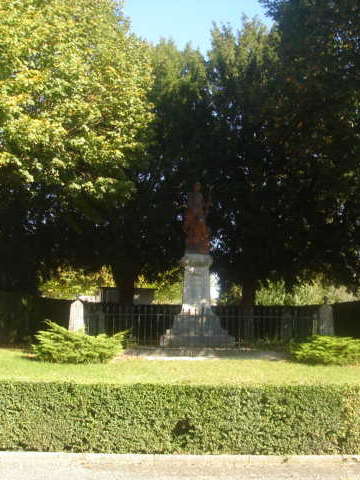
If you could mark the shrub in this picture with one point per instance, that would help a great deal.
(328, 350)
(168, 419)
(57, 344)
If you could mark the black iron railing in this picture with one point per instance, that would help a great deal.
(149, 323)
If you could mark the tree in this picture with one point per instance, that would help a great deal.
(74, 115)
(73, 96)
(245, 221)
(315, 128)
(287, 174)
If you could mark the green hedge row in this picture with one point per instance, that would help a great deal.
(180, 419)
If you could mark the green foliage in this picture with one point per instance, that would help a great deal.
(303, 293)
(169, 419)
(314, 126)
(73, 96)
(59, 345)
(241, 69)
(287, 178)
(68, 283)
(74, 121)
(168, 286)
(149, 238)
(328, 350)
(131, 237)
(270, 120)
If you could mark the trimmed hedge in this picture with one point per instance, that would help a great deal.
(268, 420)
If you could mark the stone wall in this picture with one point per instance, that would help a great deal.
(22, 316)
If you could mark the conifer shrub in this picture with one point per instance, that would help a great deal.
(59, 345)
(327, 350)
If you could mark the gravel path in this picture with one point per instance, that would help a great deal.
(201, 354)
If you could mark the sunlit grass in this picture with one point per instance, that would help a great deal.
(17, 366)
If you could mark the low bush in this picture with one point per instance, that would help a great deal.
(328, 350)
(57, 344)
(169, 419)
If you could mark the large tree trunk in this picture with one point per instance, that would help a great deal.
(249, 288)
(125, 276)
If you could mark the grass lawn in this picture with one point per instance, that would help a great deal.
(16, 366)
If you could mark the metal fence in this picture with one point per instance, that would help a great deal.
(146, 323)
(261, 322)
(149, 323)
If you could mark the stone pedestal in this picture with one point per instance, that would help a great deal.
(76, 320)
(196, 325)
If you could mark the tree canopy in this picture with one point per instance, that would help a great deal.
(241, 69)
(315, 128)
(74, 118)
(101, 135)
(73, 96)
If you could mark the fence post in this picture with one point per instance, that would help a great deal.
(76, 319)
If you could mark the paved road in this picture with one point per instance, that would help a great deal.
(60, 466)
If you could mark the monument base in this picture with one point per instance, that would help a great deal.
(197, 330)
(196, 325)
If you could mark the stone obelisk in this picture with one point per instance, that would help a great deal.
(197, 325)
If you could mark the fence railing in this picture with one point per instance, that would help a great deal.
(149, 323)
(146, 323)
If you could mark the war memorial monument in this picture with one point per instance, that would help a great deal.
(196, 325)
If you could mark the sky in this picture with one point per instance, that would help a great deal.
(187, 20)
